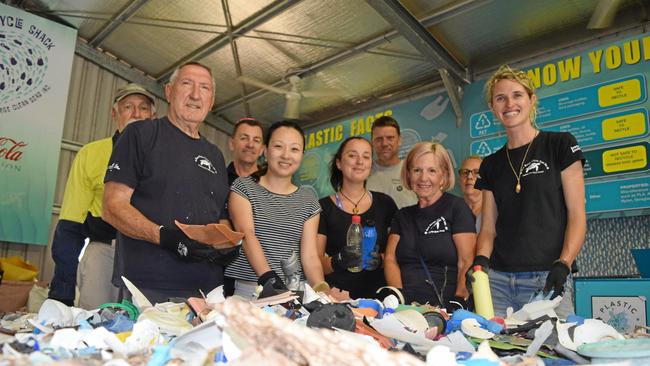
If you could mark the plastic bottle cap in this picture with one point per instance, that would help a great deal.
(477, 268)
(356, 219)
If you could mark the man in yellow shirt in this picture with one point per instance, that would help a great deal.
(80, 216)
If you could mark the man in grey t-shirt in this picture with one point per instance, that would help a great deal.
(386, 169)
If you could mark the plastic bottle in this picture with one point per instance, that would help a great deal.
(369, 244)
(482, 294)
(354, 240)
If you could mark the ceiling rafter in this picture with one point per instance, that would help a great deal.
(248, 24)
(123, 15)
(442, 14)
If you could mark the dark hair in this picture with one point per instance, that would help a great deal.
(385, 121)
(247, 121)
(274, 127)
(336, 175)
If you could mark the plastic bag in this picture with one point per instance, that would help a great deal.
(16, 269)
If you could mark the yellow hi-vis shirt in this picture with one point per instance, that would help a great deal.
(84, 190)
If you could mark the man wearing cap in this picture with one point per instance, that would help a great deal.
(163, 174)
(246, 143)
(80, 216)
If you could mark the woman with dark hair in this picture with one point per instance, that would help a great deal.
(277, 217)
(349, 169)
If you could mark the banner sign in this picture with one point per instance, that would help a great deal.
(35, 64)
(601, 97)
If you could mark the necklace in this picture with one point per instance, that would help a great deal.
(355, 209)
(521, 167)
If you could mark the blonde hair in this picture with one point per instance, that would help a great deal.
(440, 155)
(505, 72)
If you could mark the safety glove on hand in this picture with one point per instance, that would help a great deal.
(185, 248)
(479, 260)
(457, 303)
(557, 278)
(374, 262)
(271, 284)
(345, 258)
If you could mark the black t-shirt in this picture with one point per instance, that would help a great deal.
(530, 224)
(428, 233)
(232, 173)
(334, 224)
(174, 177)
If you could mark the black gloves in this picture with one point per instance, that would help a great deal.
(457, 303)
(272, 279)
(271, 284)
(187, 249)
(479, 260)
(556, 278)
(345, 258)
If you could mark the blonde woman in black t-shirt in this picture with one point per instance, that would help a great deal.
(533, 216)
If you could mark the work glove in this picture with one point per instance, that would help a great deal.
(557, 278)
(271, 284)
(479, 260)
(457, 303)
(345, 258)
(374, 262)
(271, 278)
(185, 248)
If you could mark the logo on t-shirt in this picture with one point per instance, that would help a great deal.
(206, 164)
(575, 148)
(438, 225)
(114, 166)
(535, 166)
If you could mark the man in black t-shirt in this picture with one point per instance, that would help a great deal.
(164, 171)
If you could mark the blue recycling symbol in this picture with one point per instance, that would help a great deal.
(483, 122)
(483, 149)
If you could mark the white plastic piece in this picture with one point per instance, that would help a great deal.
(472, 328)
(144, 333)
(441, 356)
(215, 296)
(96, 337)
(484, 352)
(67, 338)
(55, 313)
(137, 297)
(594, 330)
(391, 302)
(537, 309)
(541, 334)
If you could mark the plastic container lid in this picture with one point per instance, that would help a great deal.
(477, 268)
(356, 219)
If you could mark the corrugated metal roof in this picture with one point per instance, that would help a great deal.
(344, 44)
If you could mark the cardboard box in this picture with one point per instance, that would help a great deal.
(620, 302)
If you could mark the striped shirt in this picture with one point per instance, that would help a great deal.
(278, 221)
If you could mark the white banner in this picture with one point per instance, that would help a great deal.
(35, 64)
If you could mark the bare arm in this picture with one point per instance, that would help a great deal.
(489, 214)
(465, 245)
(573, 185)
(326, 261)
(309, 253)
(118, 211)
(241, 214)
(391, 268)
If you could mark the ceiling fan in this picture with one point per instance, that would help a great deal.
(604, 13)
(293, 95)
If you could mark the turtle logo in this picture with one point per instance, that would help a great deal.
(23, 66)
(182, 249)
(204, 163)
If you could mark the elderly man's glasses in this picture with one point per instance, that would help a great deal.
(465, 172)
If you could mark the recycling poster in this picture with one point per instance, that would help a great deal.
(599, 95)
(35, 64)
